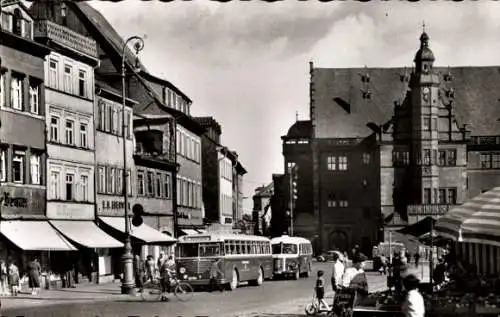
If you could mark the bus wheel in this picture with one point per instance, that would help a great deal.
(234, 281)
(309, 271)
(260, 278)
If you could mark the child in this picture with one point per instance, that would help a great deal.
(320, 289)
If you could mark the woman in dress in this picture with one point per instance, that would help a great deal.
(34, 276)
(13, 272)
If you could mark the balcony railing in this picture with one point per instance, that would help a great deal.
(428, 209)
(66, 37)
(485, 140)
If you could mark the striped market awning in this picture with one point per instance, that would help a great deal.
(476, 221)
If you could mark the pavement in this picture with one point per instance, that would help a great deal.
(272, 299)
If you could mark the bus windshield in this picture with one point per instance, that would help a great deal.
(284, 248)
(194, 250)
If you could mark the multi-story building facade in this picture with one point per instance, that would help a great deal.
(109, 164)
(155, 97)
(222, 178)
(210, 147)
(238, 197)
(412, 142)
(155, 167)
(261, 214)
(22, 136)
(226, 188)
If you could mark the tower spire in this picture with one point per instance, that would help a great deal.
(296, 116)
(423, 26)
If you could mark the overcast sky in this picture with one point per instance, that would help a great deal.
(246, 63)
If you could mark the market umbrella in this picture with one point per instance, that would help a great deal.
(476, 221)
(419, 228)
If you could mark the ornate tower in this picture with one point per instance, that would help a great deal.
(424, 86)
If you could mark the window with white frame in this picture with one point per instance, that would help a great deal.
(82, 83)
(331, 163)
(158, 185)
(128, 123)
(70, 186)
(35, 168)
(54, 128)
(2, 89)
(166, 185)
(84, 185)
(119, 181)
(34, 98)
(178, 141)
(342, 163)
(16, 92)
(53, 72)
(18, 166)
(83, 135)
(101, 174)
(68, 78)
(150, 183)
(140, 183)
(112, 180)
(129, 183)
(3, 165)
(55, 188)
(70, 128)
(114, 120)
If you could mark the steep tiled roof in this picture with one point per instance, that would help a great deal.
(208, 122)
(300, 129)
(266, 190)
(342, 112)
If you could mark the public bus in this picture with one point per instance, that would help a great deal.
(292, 256)
(243, 258)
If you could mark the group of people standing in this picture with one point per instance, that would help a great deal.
(10, 278)
(163, 270)
(354, 279)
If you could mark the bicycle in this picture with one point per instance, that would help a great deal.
(151, 291)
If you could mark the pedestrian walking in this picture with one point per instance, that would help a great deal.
(338, 272)
(383, 265)
(4, 283)
(167, 272)
(215, 274)
(160, 261)
(150, 268)
(417, 259)
(34, 271)
(13, 278)
(138, 271)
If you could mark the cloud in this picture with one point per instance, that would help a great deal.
(246, 63)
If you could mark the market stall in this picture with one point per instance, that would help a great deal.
(472, 286)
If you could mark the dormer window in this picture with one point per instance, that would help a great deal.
(17, 22)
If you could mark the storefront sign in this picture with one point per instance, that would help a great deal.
(113, 204)
(70, 211)
(18, 201)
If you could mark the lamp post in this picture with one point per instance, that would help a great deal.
(128, 283)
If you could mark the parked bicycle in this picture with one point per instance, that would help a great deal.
(151, 290)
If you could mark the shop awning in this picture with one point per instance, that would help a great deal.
(86, 233)
(189, 231)
(144, 232)
(419, 228)
(35, 236)
(476, 221)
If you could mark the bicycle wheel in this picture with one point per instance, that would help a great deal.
(150, 293)
(183, 292)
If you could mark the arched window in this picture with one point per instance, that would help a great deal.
(17, 22)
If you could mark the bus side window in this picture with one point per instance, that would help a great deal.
(300, 249)
(238, 247)
(252, 247)
(261, 247)
(247, 247)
